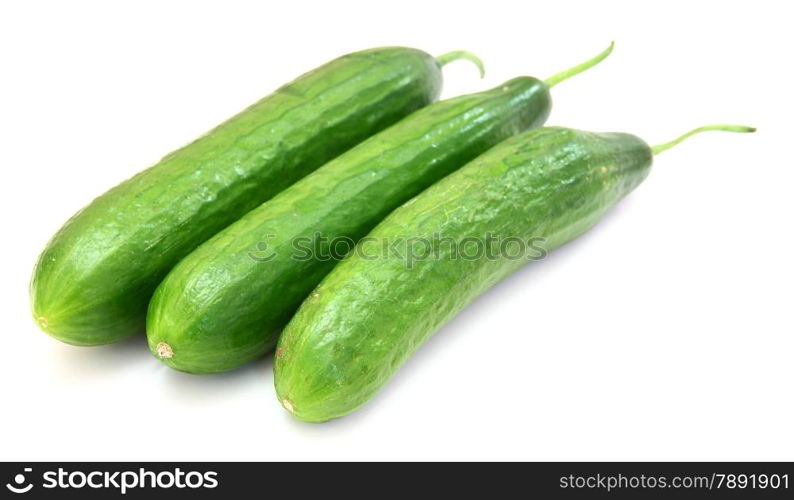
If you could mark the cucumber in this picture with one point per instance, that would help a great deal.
(224, 304)
(543, 188)
(93, 281)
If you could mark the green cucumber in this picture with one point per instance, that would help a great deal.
(225, 303)
(93, 281)
(536, 191)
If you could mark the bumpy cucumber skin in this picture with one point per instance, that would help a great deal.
(220, 307)
(94, 279)
(369, 315)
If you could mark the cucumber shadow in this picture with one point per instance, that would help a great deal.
(254, 378)
(410, 373)
(131, 355)
(83, 363)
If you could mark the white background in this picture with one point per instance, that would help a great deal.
(663, 334)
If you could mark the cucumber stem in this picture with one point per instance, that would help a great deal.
(716, 127)
(456, 55)
(564, 75)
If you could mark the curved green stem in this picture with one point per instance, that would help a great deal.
(564, 75)
(455, 55)
(716, 127)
